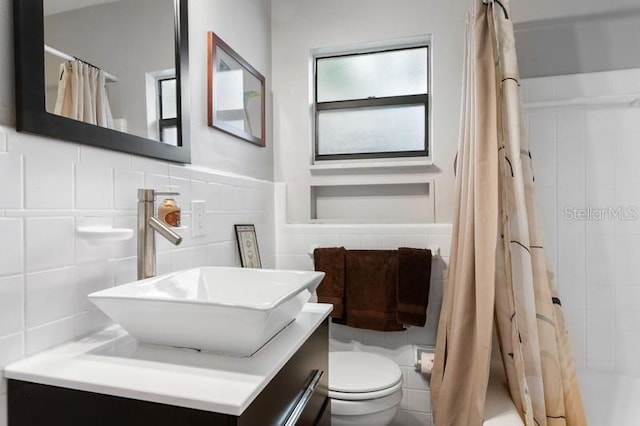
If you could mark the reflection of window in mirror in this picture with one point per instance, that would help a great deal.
(168, 122)
(162, 114)
(238, 96)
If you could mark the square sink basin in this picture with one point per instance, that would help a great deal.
(230, 311)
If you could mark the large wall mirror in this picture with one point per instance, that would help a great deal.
(108, 73)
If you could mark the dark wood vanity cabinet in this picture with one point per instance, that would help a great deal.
(32, 404)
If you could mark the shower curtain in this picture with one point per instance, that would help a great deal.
(82, 94)
(499, 276)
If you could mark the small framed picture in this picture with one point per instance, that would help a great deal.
(248, 246)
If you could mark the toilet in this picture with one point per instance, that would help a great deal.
(365, 389)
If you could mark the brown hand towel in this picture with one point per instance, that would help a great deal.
(370, 293)
(331, 261)
(414, 273)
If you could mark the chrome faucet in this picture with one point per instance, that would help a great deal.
(147, 224)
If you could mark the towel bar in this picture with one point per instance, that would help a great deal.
(435, 251)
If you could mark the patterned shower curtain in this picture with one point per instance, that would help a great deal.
(499, 277)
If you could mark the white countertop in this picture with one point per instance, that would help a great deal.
(111, 362)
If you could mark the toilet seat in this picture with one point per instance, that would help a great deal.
(341, 407)
(361, 396)
(358, 376)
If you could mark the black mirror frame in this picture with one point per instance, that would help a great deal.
(32, 117)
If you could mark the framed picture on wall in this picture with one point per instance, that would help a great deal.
(248, 246)
(236, 93)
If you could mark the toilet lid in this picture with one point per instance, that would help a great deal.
(360, 372)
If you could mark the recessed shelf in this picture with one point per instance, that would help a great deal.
(387, 199)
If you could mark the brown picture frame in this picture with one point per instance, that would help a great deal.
(248, 246)
(235, 93)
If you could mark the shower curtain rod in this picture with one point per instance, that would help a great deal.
(65, 56)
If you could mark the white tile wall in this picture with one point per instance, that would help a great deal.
(48, 181)
(49, 188)
(50, 295)
(99, 157)
(123, 180)
(293, 246)
(90, 277)
(11, 304)
(589, 156)
(11, 349)
(94, 186)
(49, 335)
(11, 171)
(49, 243)
(11, 252)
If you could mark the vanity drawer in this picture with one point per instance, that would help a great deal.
(278, 400)
(32, 404)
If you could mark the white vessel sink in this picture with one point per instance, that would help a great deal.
(232, 311)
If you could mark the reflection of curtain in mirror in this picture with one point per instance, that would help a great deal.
(82, 94)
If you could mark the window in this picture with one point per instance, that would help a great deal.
(168, 113)
(372, 105)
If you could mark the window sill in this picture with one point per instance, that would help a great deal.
(376, 166)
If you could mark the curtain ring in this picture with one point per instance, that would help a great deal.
(504, 9)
